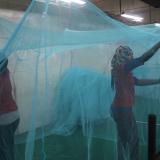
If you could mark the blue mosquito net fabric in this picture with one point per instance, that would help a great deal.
(6, 29)
(60, 57)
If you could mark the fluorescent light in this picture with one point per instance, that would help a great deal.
(74, 1)
(67, 1)
(132, 17)
(157, 24)
(79, 2)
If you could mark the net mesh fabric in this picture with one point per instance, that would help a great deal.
(60, 56)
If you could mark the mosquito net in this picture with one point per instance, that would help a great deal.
(60, 58)
(6, 29)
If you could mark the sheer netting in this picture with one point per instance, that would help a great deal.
(6, 29)
(60, 58)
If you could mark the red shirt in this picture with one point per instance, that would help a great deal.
(124, 86)
(7, 104)
(125, 82)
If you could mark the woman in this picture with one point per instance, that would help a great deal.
(121, 109)
(9, 117)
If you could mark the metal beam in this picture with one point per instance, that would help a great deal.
(154, 3)
(14, 5)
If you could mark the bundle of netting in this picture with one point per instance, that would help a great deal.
(68, 61)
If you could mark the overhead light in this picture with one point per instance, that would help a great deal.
(74, 1)
(157, 24)
(67, 1)
(132, 17)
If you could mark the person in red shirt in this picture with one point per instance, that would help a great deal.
(9, 117)
(124, 82)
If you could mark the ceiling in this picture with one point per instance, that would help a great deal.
(144, 8)
(154, 3)
(14, 4)
(22, 4)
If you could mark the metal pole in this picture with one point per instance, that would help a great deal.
(150, 14)
(120, 6)
(151, 137)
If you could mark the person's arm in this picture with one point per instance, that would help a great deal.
(134, 63)
(148, 54)
(146, 82)
(13, 86)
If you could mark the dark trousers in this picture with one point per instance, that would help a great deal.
(7, 140)
(127, 133)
